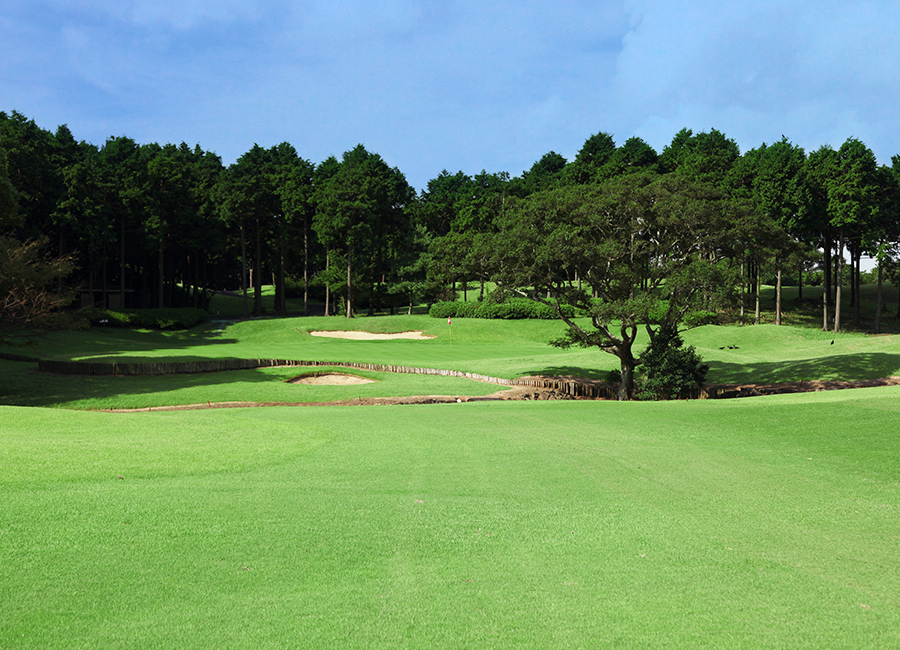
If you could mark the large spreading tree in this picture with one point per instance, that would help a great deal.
(640, 250)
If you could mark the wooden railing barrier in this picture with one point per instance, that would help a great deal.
(566, 386)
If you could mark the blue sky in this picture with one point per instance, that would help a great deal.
(455, 84)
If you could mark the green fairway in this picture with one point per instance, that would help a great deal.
(260, 385)
(768, 353)
(765, 522)
(761, 353)
(752, 523)
(471, 343)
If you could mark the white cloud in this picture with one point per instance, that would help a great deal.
(458, 84)
(818, 72)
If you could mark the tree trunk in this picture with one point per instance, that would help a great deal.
(198, 281)
(800, 283)
(327, 288)
(778, 295)
(282, 294)
(838, 279)
(349, 281)
(245, 311)
(826, 282)
(879, 298)
(204, 276)
(743, 291)
(758, 287)
(627, 362)
(187, 281)
(857, 286)
(305, 269)
(121, 263)
(373, 293)
(145, 282)
(103, 284)
(59, 280)
(626, 385)
(257, 277)
(93, 302)
(162, 279)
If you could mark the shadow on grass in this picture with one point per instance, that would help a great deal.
(118, 342)
(571, 371)
(874, 365)
(22, 384)
(846, 367)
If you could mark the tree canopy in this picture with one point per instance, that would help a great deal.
(149, 225)
(360, 211)
(640, 250)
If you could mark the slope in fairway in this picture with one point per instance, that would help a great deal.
(756, 354)
(753, 523)
(496, 348)
(263, 385)
(769, 353)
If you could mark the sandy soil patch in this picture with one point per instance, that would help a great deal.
(370, 336)
(330, 379)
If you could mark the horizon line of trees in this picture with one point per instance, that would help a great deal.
(149, 225)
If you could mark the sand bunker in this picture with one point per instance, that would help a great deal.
(330, 379)
(370, 336)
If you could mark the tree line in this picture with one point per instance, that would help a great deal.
(135, 225)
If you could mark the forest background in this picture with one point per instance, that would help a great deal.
(130, 225)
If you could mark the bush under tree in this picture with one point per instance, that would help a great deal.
(669, 368)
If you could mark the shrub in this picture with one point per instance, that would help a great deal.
(443, 309)
(293, 287)
(613, 377)
(468, 310)
(509, 309)
(669, 368)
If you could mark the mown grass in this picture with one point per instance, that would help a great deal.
(752, 353)
(769, 353)
(769, 522)
(260, 385)
(500, 348)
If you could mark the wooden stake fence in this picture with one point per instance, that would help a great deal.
(568, 387)
(583, 389)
